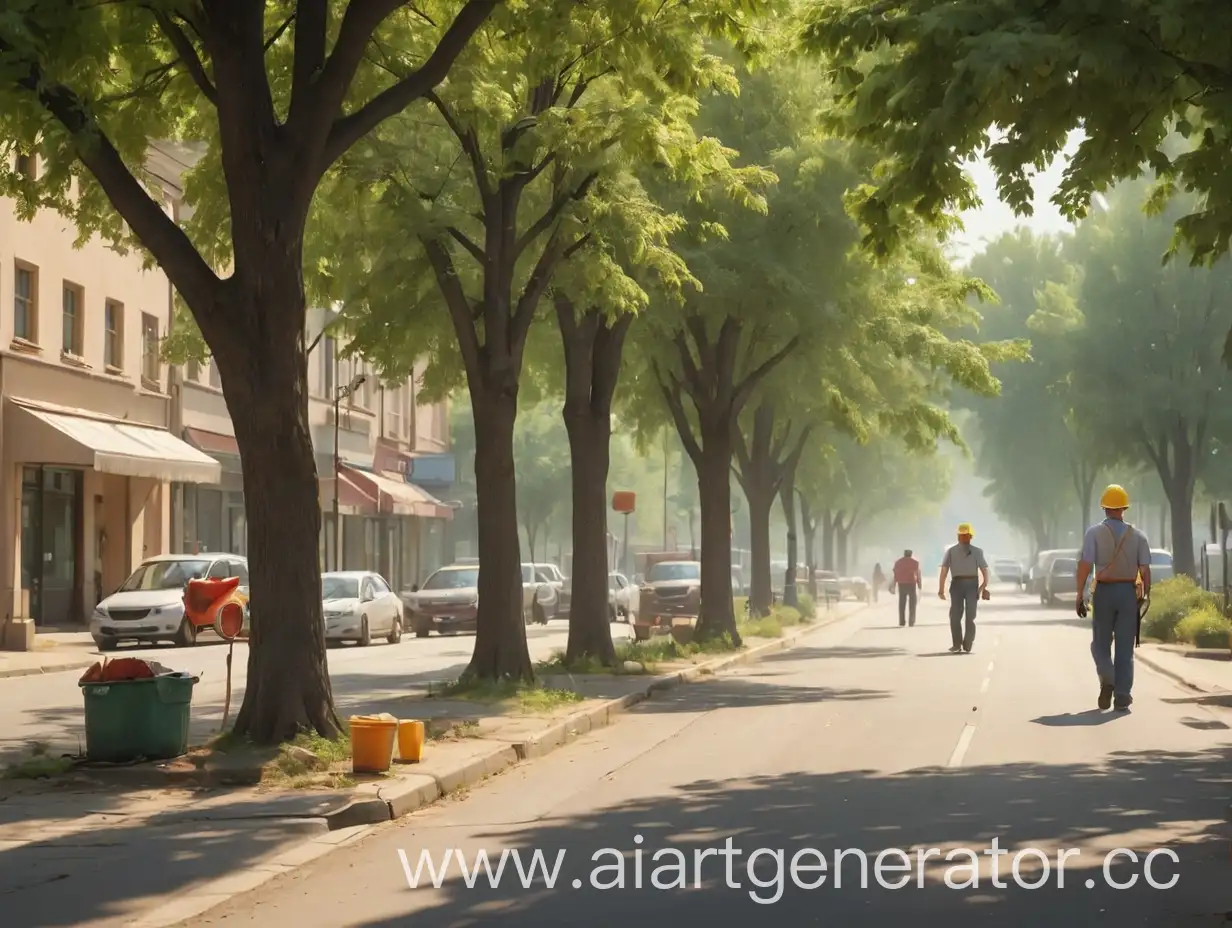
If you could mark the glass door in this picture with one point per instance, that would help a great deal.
(31, 544)
(58, 597)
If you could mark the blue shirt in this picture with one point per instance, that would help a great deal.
(1142, 556)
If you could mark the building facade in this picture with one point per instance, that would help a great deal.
(87, 455)
(393, 458)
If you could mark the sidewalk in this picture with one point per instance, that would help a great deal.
(54, 652)
(1205, 669)
(176, 840)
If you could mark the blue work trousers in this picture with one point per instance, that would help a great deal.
(1115, 619)
(964, 597)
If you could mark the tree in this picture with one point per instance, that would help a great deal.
(1150, 385)
(91, 85)
(497, 198)
(924, 80)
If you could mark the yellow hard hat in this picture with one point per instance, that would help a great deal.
(966, 529)
(1114, 497)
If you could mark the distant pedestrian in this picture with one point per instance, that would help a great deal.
(1120, 555)
(963, 560)
(878, 580)
(908, 581)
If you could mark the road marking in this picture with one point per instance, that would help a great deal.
(984, 685)
(960, 750)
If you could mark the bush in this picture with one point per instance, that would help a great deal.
(1171, 602)
(808, 608)
(1205, 628)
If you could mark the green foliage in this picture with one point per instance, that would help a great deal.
(1205, 628)
(1171, 601)
(925, 81)
(541, 456)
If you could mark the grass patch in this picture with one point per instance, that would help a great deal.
(40, 765)
(531, 698)
(291, 769)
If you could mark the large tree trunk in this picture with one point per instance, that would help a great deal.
(809, 524)
(761, 582)
(827, 539)
(840, 548)
(593, 351)
(288, 689)
(1179, 481)
(500, 637)
(787, 496)
(718, 615)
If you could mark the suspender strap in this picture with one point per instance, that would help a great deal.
(1099, 577)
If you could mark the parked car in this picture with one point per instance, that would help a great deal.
(448, 601)
(672, 590)
(540, 594)
(1161, 564)
(829, 587)
(1038, 576)
(1008, 570)
(358, 606)
(554, 577)
(856, 587)
(1062, 580)
(621, 597)
(148, 607)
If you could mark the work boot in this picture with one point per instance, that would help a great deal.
(1105, 695)
(956, 649)
(967, 648)
(1122, 703)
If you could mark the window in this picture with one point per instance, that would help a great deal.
(379, 586)
(365, 389)
(150, 362)
(25, 303)
(113, 335)
(192, 370)
(327, 365)
(24, 164)
(220, 570)
(393, 412)
(241, 571)
(73, 300)
(215, 377)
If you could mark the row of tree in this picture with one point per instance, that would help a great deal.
(641, 185)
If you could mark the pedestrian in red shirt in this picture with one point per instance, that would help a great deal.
(908, 581)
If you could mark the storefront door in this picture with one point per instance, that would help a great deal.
(51, 544)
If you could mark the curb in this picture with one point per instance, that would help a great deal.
(40, 670)
(1170, 674)
(358, 818)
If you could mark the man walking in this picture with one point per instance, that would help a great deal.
(1119, 555)
(907, 578)
(963, 560)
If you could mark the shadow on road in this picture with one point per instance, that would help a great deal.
(811, 654)
(1079, 719)
(1095, 807)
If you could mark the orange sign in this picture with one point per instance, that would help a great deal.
(623, 501)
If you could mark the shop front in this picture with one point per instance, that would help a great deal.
(213, 518)
(94, 501)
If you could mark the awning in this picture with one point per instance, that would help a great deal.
(353, 499)
(212, 442)
(397, 496)
(47, 434)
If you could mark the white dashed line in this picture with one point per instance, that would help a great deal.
(990, 666)
(960, 750)
(984, 685)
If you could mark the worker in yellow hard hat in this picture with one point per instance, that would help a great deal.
(1120, 556)
(964, 560)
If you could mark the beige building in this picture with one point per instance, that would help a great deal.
(87, 453)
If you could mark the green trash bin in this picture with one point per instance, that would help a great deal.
(131, 720)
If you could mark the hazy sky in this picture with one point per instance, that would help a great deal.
(995, 218)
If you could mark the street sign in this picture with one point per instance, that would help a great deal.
(624, 501)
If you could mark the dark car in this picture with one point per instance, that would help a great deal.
(1062, 580)
(448, 601)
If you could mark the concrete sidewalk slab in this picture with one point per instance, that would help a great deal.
(1208, 670)
(53, 653)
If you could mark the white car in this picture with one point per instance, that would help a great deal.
(359, 605)
(149, 605)
(621, 597)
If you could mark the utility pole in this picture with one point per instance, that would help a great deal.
(340, 392)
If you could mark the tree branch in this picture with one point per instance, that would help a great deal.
(745, 389)
(462, 239)
(553, 211)
(351, 128)
(188, 55)
(468, 140)
(692, 374)
(181, 262)
(311, 23)
(676, 407)
(455, 299)
(536, 285)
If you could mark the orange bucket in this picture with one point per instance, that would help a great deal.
(372, 743)
(410, 741)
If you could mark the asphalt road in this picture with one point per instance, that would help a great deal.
(48, 708)
(868, 737)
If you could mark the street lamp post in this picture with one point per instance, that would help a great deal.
(339, 394)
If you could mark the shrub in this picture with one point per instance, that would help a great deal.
(1205, 628)
(1171, 601)
(808, 608)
